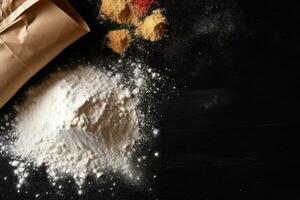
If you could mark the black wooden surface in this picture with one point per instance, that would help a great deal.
(229, 133)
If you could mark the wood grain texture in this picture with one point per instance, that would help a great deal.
(231, 132)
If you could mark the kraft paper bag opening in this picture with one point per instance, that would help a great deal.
(32, 33)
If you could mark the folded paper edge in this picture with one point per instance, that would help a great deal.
(16, 13)
(27, 4)
(10, 19)
(69, 10)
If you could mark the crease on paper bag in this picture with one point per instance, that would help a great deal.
(32, 33)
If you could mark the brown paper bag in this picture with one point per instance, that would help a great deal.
(32, 33)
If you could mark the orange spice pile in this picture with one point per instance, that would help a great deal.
(119, 40)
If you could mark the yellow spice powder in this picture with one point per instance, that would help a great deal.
(118, 11)
(119, 40)
(153, 26)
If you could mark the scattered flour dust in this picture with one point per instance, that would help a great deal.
(78, 122)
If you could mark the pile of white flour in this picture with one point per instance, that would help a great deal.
(79, 122)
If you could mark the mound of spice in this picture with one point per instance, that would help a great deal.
(118, 11)
(153, 27)
(119, 40)
(132, 12)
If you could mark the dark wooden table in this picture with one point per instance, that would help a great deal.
(229, 132)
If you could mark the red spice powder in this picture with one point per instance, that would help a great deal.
(143, 6)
